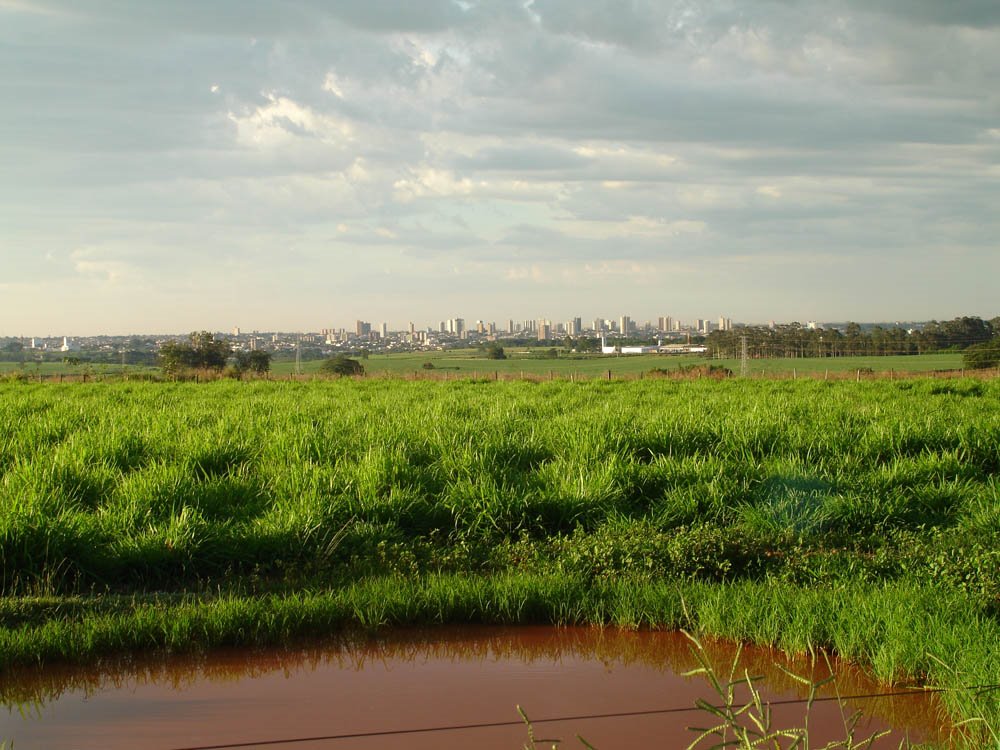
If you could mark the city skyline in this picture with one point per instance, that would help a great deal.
(460, 327)
(174, 167)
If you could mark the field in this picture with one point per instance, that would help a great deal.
(532, 362)
(858, 517)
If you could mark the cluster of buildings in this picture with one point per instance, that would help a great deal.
(460, 332)
(621, 335)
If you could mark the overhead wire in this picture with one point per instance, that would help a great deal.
(554, 719)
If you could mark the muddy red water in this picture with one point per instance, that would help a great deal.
(428, 679)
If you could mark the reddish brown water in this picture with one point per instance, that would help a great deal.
(419, 679)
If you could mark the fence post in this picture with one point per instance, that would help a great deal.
(609, 374)
(859, 376)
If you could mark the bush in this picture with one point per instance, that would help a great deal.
(982, 356)
(495, 351)
(341, 365)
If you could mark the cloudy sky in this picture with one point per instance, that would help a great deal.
(297, 165)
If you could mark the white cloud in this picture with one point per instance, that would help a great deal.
(282, 121)
(88, 262)
(332, 84)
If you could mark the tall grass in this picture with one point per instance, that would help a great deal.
(801, 513)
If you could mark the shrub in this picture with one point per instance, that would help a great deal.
(341, 365)
(982, 356)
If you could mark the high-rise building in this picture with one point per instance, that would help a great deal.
(362, 328)
(573, 327)
(725, 324)
(544, 329)
(666, 323)
(385, 330)
(413, 328)
(510, 326)
(458, 327)
(624, 325)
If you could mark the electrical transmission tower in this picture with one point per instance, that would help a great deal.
(744, 360)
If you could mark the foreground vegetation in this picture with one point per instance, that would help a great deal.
(860, 517)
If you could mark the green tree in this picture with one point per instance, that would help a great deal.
(203, 350)
(982, 356)
(209, 352)
(494, 351)
(257, 362)
(175, 356)
(341, 365)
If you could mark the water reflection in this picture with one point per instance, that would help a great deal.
(591, 669)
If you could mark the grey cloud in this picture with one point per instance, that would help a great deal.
(841, 129)
(976, 13)
(522, 159)
(262, 17)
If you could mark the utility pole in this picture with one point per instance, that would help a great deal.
(743, 356)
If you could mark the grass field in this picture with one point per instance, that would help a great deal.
(860, 517)
(532, 363)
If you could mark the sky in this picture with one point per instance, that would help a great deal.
(298, 165)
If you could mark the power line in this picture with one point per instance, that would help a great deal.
(550, 720)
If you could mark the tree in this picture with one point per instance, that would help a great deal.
(257, 362)
(982, 356)
(495, 351)
(341, 365)
(209, 352)
(203, 350)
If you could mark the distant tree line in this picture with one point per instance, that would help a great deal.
(796, 340)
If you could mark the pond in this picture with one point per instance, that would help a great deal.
(374, 691)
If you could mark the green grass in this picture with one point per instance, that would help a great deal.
(860, 517)
(50, 370)
(530, 362)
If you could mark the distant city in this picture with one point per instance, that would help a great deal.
(608, 335)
